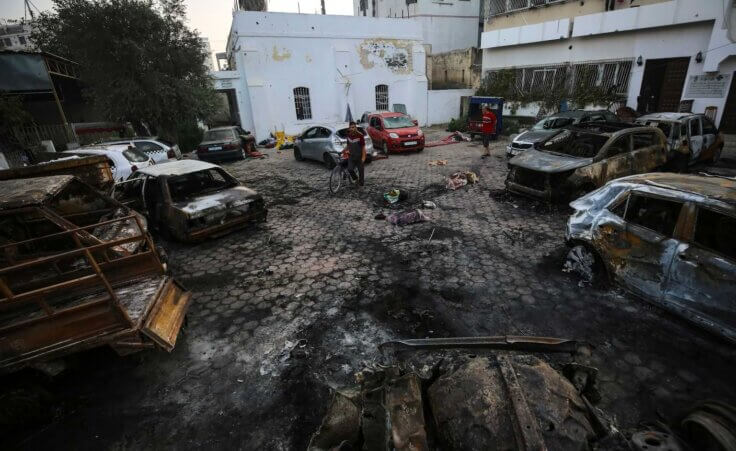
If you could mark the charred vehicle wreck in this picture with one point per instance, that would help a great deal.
(191, 200)
(78, 270)
(579, 159)
(667, 238)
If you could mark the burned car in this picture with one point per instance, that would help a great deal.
(668, 238)
(79, 270)
(692, 134)
(577, 160)
(190, 200)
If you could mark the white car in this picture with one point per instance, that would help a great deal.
(124, 160)
(158, 149)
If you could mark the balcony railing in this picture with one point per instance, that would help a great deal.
(492, 8)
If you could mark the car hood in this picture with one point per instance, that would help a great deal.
(404, 131)
(535, 136)
(547, 162)
(237, 196)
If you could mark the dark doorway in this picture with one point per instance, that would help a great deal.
(227, 112)
(661, 87)
(728, 120)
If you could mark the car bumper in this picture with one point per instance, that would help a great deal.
(228, 226)
(512, 151)
(220, 155)
(517, 188)
(401, 147)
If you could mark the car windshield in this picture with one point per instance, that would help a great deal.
(186, 186)
(398, 122)
(134, 155)
(219, 135)
(551, 123)
(666, 127)
(575, 144)
(343, 133)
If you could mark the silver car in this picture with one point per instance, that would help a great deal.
(158, 149)
(325, 143)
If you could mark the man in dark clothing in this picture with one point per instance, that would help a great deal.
(356, 148)
(489, 128)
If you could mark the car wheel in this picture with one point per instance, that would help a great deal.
(420, 149)
(384, 148)
(298, 154)
(585, 263)
(242, 154)
(329, 161)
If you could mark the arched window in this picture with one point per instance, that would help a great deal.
(302, 103)
(382, 97)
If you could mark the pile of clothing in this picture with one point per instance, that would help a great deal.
(407, 217)
(460, 179)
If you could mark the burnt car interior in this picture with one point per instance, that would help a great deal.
(183, 187)
(575, 143)
(714, 231)
(653, 213)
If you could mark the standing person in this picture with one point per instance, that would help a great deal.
(356, 147)
(489, 128)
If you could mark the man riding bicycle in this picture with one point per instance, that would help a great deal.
(355, 153)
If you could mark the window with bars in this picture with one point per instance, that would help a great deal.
(302, 103)
(382, 97)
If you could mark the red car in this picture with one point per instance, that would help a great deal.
(394, 132)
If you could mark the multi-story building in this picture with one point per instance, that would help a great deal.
(658, 55)
(447, 25)
(15, 36)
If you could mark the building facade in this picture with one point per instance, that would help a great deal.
(458, 69)
(16, 36)
(447, 25)
(290, 71)
(658, 55)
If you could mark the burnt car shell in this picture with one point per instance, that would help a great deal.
(689, 266)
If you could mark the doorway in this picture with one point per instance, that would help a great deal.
(728, 120)
(661, 86)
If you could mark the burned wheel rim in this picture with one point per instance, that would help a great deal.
(335, 179)
(581, 261)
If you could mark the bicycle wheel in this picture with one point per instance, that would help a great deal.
(336, 177)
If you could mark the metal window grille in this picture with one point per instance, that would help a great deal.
(382, 97)
(302, 103)
(492, 8)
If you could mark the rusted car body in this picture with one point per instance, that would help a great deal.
(78, 270)
(191, 200)
(577, 160)
(691, 134)
(668, 238)
(93, 170)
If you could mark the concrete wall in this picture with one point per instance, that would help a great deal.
(444, 105)
(456, 69)
(680, 28)
(339, 59)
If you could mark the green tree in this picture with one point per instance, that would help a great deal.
(139, 62)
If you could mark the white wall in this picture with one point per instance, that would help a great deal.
(340, 59)
(443, 105)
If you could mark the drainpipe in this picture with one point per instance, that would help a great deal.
(323, 8)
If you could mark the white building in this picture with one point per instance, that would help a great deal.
(655, 55)
(290, 71)
(446, 25)
(16, 36)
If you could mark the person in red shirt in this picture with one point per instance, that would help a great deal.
(489, 128)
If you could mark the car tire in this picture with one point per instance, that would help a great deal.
(583, 261)
(242, 155)
(384, 148)
(298, 154)
(329, 161)
(420, 149)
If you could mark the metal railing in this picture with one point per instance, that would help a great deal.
(491, 8)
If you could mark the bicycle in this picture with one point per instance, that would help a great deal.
(340, 176)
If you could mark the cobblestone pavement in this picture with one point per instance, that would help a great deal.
(286, 310)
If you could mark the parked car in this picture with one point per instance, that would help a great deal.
(668, 238)
(576, 160)
(158, 149)
(124, 159)
(689, 133)
(550, 124)
(395, 132)
(225, 143)
(191, 200)
(326, 142)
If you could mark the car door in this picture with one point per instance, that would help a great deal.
(373, 132)
(639, 244)
(702, 277)
(648, 151)
(710, 134)
(322, 142)
(307, 141)
(695, 133)
(617, 160)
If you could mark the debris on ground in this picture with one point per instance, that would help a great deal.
(460, 179)
(380, 216)
(453, 138)
(407, 217)
(287, 145)
(437, 163)
(429, 204)
(395, 195)
(580, 261)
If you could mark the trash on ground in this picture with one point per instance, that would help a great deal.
(460, 179)
(429, 204)
(407, 217)
(438, 163)
(453, 138)
(380, 216)
(395, 195)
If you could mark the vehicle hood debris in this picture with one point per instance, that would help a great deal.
(222, 200)
(548, 162)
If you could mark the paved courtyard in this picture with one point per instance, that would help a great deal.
(286, 310)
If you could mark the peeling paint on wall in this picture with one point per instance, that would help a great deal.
(392, 53)
(283, 56)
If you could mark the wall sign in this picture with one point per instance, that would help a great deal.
(707, 86)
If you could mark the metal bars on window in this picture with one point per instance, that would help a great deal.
(382, 97)
(492, 8)
(302, 103)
